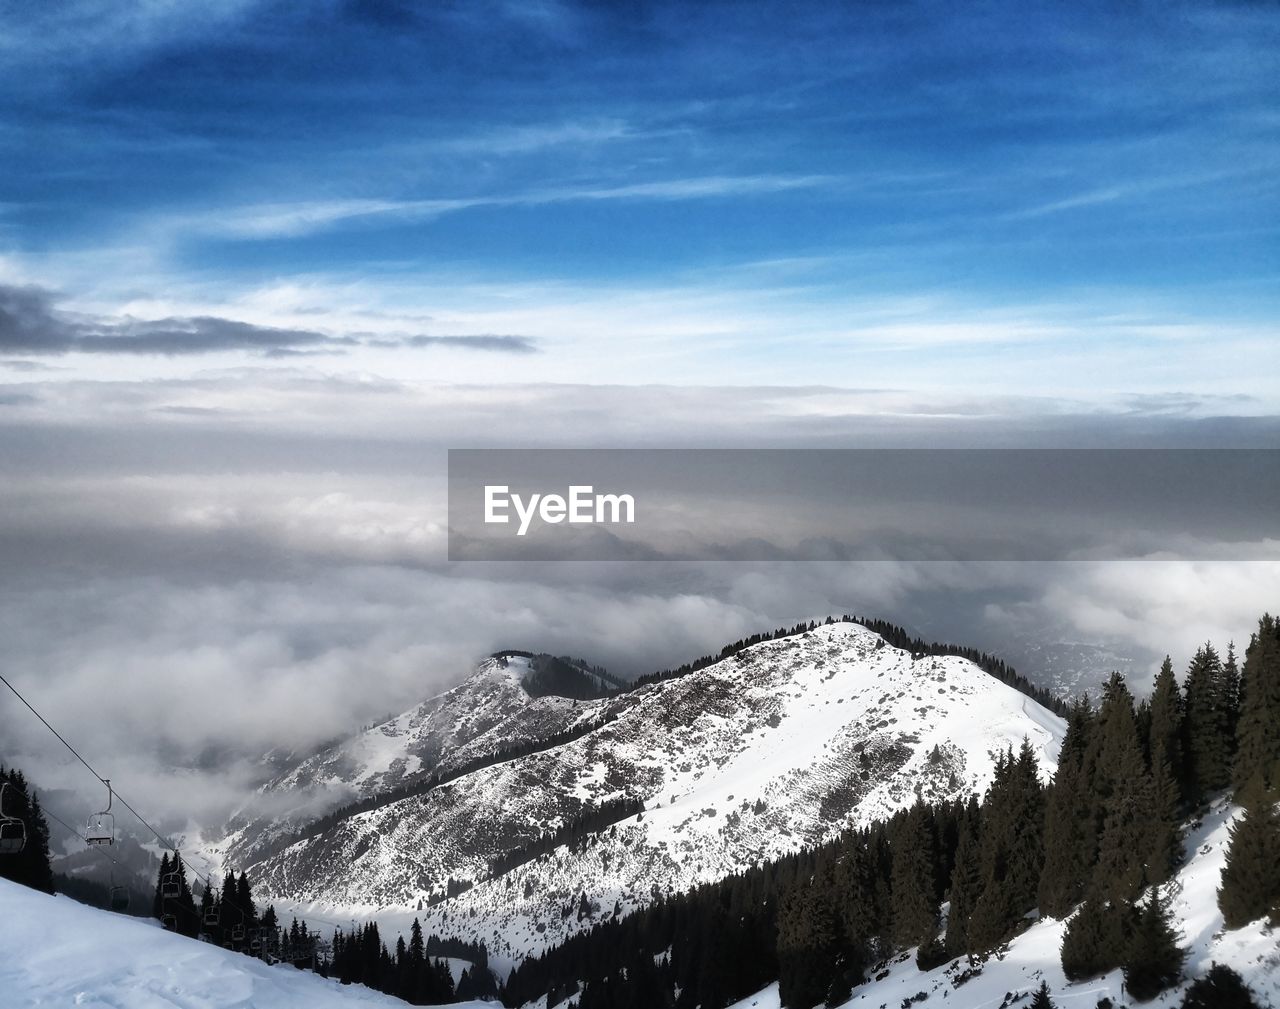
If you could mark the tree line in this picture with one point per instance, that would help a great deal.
(31, 865)
(896, 636)
(590, 821)
(422, 786)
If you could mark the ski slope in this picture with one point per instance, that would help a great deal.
(1253, 951)
(56, 953)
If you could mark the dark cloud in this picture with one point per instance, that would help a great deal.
(31, 323)
(28, 366)
(507, 344)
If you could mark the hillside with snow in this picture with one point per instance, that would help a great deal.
(491, 710)
(782, 745)
(58, 953)
(1012, 974)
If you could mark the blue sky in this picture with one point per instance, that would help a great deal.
(1055, 198)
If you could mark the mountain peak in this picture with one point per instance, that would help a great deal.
(782, 743)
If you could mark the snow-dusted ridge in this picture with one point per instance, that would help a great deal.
(489, 711)
(781, 745)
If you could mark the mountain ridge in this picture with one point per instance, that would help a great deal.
(772, 718)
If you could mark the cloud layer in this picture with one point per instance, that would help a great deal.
(30, 323)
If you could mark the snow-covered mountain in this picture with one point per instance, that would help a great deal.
(1012, 975)
(503, 704)
(61, 953)
(781, 745)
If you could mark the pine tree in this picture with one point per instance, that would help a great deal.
(915, 908)
(1012, 849)
(966, 879)
(1251, 878)
(858, 910)
(808, 946)
(1125, 846)
(1257, 765)
(1208, 746)
(1220, 988)
(206, 909)
(183, 908)
(32, 865)
(1166, 722)
(1153, 959)
(244, 902)
(1070, 829)
(1042, 999)
(1231, 695)
(1130, 814)
(1095, 939)
(159, 902)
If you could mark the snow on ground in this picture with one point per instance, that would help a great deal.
(56, 953)
(1254, 951)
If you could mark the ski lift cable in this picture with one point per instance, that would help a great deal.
(124, 802)
(76, 753)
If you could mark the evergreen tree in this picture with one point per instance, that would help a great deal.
(1070, 827)
(244, 902)
(1165, 734)
(31, 866)
(1127, 802)
(1012, 849)
(159, 902)
(1220, 988)
(1257, 765)
(229, 915)
(206, 909)
(915, 907)
(1208, 747)
(1153, 959)
(858, 910)
(183, 907)
(1251, 878)
(808, 946)
(1095, 939)
(966, 880)
(1231, 695)
(1124, 848)
(1166, 766)
(1042, 999)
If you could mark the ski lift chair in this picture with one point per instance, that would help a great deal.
(211, 918)
(170, 922)
(237, 932)
(170, 888)
(101, 827)
(13, 830)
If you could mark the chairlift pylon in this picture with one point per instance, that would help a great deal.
(101, 827)
(13, 829)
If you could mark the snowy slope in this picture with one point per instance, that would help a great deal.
(489, 710)
(1253, 951)
(783, 745)
(56, 953)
